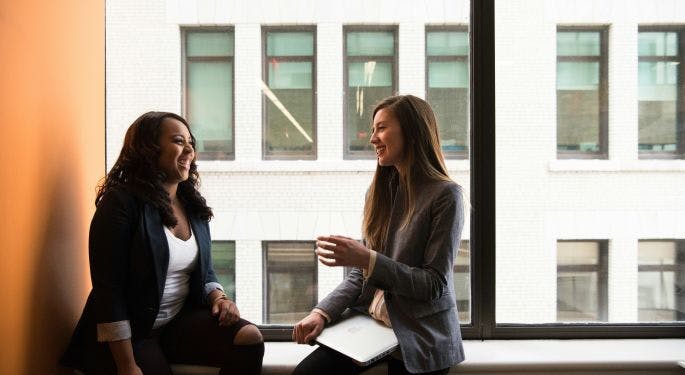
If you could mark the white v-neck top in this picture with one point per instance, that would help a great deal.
(182, 262)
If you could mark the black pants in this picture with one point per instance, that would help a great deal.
(330, 362)
(193, 337)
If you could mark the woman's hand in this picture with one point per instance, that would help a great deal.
(308, 329)
(226, 311)
(342, 251)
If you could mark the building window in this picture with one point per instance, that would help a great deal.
(581, 93)
(370, 75)
(447, 86)
(462, 282)
(208, 90)
(660, 94)
(582, 281)
(289, 93)
(661, 281)
(223, 258)
(290, 281)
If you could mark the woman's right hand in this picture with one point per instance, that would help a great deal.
(309, 328)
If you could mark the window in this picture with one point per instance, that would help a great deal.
(291, 281)
(660, 93)
(223, 258)
(581, 93)
(661, 281)
(581, 281)
(208, 91)
(289, 100)
(370, 75)
(447, 86)
(462, 282)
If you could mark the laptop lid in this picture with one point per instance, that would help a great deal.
(359, 337)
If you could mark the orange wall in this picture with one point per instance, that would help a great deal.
(52, 147)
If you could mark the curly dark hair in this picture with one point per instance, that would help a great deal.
(137, 170)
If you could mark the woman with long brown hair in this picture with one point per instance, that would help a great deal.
(402, 275)
(155, 298)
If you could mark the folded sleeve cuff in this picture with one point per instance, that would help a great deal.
(322, 313)
(114, 331)
(372, 263)
(211, 286)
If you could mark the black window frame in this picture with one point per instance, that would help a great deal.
(457, 155)
(394, 29)
(208, 155)
(482, 240)
(603, 59)
(265, 78)
(679, 153)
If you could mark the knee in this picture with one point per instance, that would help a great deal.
(248, 335)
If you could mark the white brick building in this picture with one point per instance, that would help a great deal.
(540, 199)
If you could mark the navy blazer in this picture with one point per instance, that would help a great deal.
(129, 257)
(416, 275)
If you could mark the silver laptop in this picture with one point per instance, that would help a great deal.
(359, 337)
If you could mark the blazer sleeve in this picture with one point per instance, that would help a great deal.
(344, 295)
(111, 234)
(428, 282)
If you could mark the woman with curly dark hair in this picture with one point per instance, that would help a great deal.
(155, 298)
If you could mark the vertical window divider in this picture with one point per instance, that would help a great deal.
(482, 162)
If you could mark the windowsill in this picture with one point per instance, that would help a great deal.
(595, 165)
(368, 165)
(519, 356)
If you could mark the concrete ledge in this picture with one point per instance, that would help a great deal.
(565, 357)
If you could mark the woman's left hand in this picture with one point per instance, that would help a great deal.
(226, 311)
(342, 251)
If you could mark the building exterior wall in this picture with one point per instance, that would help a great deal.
(540, 199)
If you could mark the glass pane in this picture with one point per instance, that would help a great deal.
(289, 44)
(370, 43)
(577, 75)
(580, 282)
(369, 74)
(578, 120)
(289, 123)
(657, 44)
(661, 281)
(448, 74)
(451, 106)
(290, 75)
(223, 258)
(462, 282)
(291, 281)
(360, 102)
(209, 44)
(210, 104)
(657, 107)
(447, 43)
(578, 43)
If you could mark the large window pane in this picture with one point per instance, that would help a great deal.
(462, 282)
(659, 89)
(291, 281)
(661, 281)
(223, 257)
(581, 281)
(581, 102)
(209, 91)
(447, 87)
(370, 60)
(289, 123)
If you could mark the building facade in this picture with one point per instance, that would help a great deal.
(589, 136)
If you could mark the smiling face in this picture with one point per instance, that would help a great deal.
(387, 138)
(176, 150)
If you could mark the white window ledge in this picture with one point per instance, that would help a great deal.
(629, 356)
(305, 165)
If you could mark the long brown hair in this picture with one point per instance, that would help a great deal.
(422, 161)
(138, 171)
